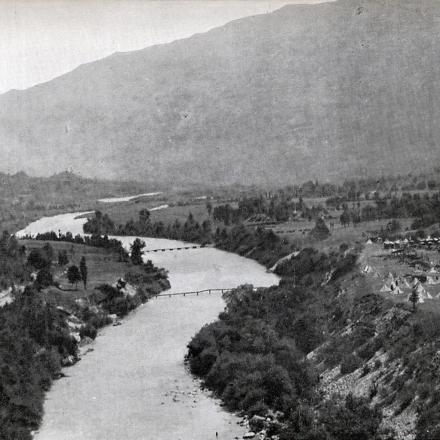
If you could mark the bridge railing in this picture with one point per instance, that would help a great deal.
(181, 248)
(197, 292)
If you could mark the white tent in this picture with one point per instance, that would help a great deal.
(432, 281)
(422, 292)
(397, 291)
(369, 241)
(368, 269)
(390, 278)
(405, 283)
(415, 282)
(386, 289)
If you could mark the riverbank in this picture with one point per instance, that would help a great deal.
(49, 323)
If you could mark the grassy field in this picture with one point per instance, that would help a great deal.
(120, 213)
(103, 267)
(339, 233)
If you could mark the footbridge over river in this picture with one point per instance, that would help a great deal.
(181, 248)
(197, 292)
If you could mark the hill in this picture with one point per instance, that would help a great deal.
(319, 91)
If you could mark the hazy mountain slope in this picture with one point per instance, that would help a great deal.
(344, 88)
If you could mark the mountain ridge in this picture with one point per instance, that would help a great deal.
(318, 91)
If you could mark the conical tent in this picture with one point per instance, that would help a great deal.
(386, 288)
(405, 283)
(397, 291)
(431, 281)
(422, 292)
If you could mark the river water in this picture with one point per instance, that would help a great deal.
(134, 385)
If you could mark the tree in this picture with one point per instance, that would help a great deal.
(83, 271)
(414, 297)
(144, 216)
(320, 231)
(73, 275)
(38, 259)
(136, 251)
(209, 208)
(44, 278)
(48, 250)
(62, 258)
(345, 218)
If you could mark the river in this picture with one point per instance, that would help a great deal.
(134, 385)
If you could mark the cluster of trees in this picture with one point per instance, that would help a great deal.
(425, 208)
(253, 357)
(353, 189)
(33, 341)
(41, 259)
(190, 230)
(280, 206)
(95, 240)
(13, 267)
(262, 245)
(149, 279)
(76, 274)
(247, 360)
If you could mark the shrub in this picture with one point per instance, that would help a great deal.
(350, 363)
(38, 259)
(44, 278)
(365, 370)
(88, 330)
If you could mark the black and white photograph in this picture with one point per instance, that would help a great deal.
(219, 219)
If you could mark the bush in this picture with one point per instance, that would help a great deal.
(350, 363)
(38, 259)
(365, 370)
(88, 330)
(44, 278)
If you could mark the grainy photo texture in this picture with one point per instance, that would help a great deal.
(219, 220)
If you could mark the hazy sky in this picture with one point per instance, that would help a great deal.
(42, 39)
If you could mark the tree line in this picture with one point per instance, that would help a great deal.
(425, 208)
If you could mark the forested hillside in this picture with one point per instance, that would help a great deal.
(322, 357)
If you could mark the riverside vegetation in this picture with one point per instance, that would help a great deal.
(46, 326)
(273, 351)
(321, 354)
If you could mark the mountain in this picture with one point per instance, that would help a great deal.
(309, 91)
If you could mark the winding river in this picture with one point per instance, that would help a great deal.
(134, 385)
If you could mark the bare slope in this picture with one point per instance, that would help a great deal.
(338, 89)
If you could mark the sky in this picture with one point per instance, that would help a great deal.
(42, 39)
